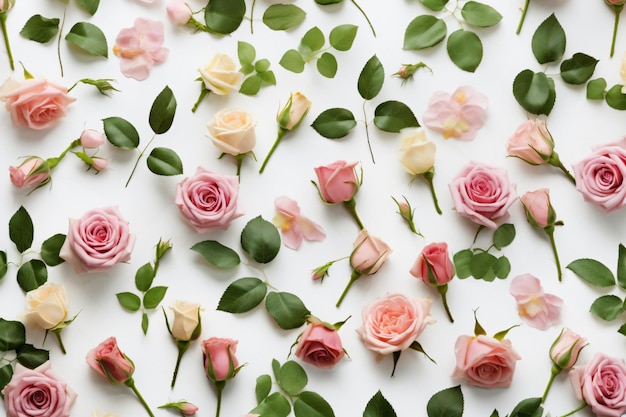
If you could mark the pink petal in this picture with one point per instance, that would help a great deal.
(287, 206)
(311, 230)
(292, 237)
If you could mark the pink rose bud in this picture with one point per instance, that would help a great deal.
(539, 211)
(531, 142)
(220, 362)
(369, 253)
(6, 5)
(108, 360)
(178, 12)
(33, 172)
(566, 348)
(100, 164)
(91, 139)
(337, 182)
(616, 2)
(188, 409)
(320, 346)
(434, 265)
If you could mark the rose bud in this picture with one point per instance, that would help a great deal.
(221, 76)
(220, 361)
(434, 265)
(108, 360)
(178, 12)
(6, 5)
(337, 182)
(566, 348)
(531, 142)
(539, 211)
(33, 172)
(290, 117)
(91, 139)
(320, 345)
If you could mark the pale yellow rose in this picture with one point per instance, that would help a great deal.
(418, 152)
(294, 111)
(221, 75)
(186, 320)
(46, 306)
(622, 73)
(232, 131)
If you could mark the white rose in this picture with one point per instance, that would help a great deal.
(47, 305)
(232, 131)
(221, 75)
(418, 152)
(186, 321)
(294, 111)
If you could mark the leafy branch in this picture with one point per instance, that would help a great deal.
(481, 264)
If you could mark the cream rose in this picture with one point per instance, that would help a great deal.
(294, 111)
(220, 76)
(232, 131)
(46, 306)
(418, 152)
(186, 323)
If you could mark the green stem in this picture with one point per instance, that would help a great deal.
(556, 162)
(521, 21)
(443, 289)
(53, 162)
(137, 161)
(203, 93)
(364, 15)
(618, 11)
(575, 410)
(131, 384)
(252, 17)
(367, 133)
(279, 136)
(59, 40)
(556, 254)
(57, 333)
(219, 386)
(355, 275)
(350, 205)
(3, 21)
(555, 371)
(183, 345)
(429, 175)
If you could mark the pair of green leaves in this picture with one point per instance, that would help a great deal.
(607, 307)
(292, 380)
(122, 134)
(596, 90)
(13, 338)
(481, 264)
(465, 48)
(34, 272)
(341, 38)
(535, 91)
(257, 73)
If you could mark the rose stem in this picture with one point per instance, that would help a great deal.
(443, 289)
(429, 177)
(521, 21)
(131, 384)
(279, 136)
(618, 11)
(137, 161)
(555, 371)
(367, 133)
(574, 411)
(182, 348)
(350, 205)
(355, 275)
(364, 15)
(556, 254)
(219, 385)
(57, 333)
(3, 21)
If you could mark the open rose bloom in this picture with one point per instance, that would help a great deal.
(320, 345)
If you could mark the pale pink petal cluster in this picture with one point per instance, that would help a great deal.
(458, 115)
(294, 226)
(535, 307)
(140, 47)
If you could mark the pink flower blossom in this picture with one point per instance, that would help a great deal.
(458, 115)
(140, 47)
(293, 225)
(535, 307)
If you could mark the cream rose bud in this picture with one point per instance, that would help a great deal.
(232, 131)
(47, 305)
(186, 323)
(221, 76)
(418, 152)
(294, 111)
(622, 73)
(6, 5)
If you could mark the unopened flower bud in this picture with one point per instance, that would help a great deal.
(294, 111)
(6, 5)
(91, 139)
(566, 348)
(33, 172)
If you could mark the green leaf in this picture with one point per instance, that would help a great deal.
(144, 277)
(263, 387)
(593, 272)
(621, 267)
(371, 78)
(251, 85)
(334, 123)
(479, 14)
(275, 405)
(164, 161)
(268, 77)
(40, 29)
(3, 264)
(224, 16)
(89, 38)
(423, 32)
(501, 267)
(292, 378)
(120, 133)
(615, 98)
(534, 92)
(286, 309)
(312, 41)
(129, 301)
(393, 116)
(596, 89)
(495, 414)
(153, 297)
(90, 6)
(446, 403)
(246, 53)
(32, 274)
(21, 230)
(311, 404)
(162, 111)
(31, 357)
(144, 322)
(342, 37)
(622, 329)
(217, 254)
(292, 61)
(434, 5)
(103, 85)
(548, 42)
(12, 335)
(6, 373)
(578, 69)
(327, 2)
(607, 307)
(283, 16)
(462, 260)
(378, 406)
(327, 65)
(530, 407)
(50, 249)
(242, 295)
(262, 65)
(503, 236)
(260, 239)
(481, 266)
(465, 50)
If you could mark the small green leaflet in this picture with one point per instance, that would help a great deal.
(593, 272)
(224, 16)
(448, 402)
(615, 98)
(371, 79)
(21, 230)
(32, 274)
(334, 123)
(89, 38)
(91, 6)
(40, 29)
(162, 111)
(465, 50)
(217, 254)
(327, 65)
(164, 161)
(578, 69)
(535, 92)
(283, 16)
(342, 37)
(292, 378)
(393, 116)
(423, 32)
(548, 42)
(310, 404)
(260, 239)
(480, 15)
(378, 406)
(286, 309)
(120, 132)
(50, 249)
(242, 295)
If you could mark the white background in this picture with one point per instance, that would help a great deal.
(148, 203)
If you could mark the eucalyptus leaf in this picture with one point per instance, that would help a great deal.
(217, 254)
(287, 310)
(371, 78)
(503, 236)
(446, 403)
(621, 266)
(292, 61)
(40, 29)
(334, 123)
(292, 378)
(144, 277)
(548, 42)
(535, 92)
(90, 6)
(434, 5)
(21, 230)
(162, 111)
(480, 14)
(32, 274)
(393, 116)
(260, 239)
(379, 406)
(89, 38)
(607, 307)
(283, 16)
(246, 53)
(263, 387)
(30, 356)
(342, 37)
(592, 271)
(311, 404)
(423, 32)
(615, 98)
(154, 296)
(465, 50)
(462, 260)
(50, 249)
(596, 89)
(224, 16)
(120, 133)
(164, 161)
(129, 301)
(12, 335)
(242, 295)
(327, 65)
(578, 69)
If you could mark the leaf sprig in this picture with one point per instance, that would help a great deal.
(257, 72)
(481, 264)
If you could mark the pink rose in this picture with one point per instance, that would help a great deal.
(33, 172)
(140, 47)
(482, 193)
(616, 2)
(35, 103)
(178, 12)
(209, 201)
(320, 346)
(531, 142)
(566, 348)
(37, 392)
(602, 385)
(220, 361)
(600, 176)
(369, 253)
(484, 361)
(538, 209)
(534, 306)
(98, 240)
(337, 182)
(108, 360)
(393, 322)
(435, 256)
(91, 139)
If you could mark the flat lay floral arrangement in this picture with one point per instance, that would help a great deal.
(313, 208)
